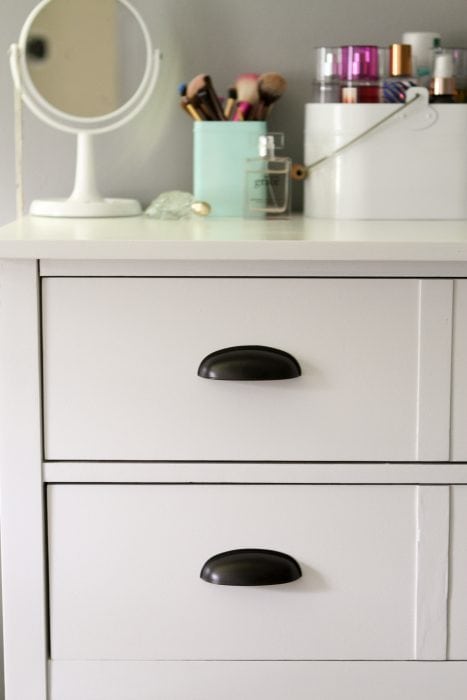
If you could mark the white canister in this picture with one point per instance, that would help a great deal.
(414, 166)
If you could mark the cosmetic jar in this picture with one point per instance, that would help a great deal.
(326, 84)
(359, 74)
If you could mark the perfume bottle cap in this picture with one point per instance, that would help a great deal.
(268, 143)
(400, 60)
(444, 66)
(359, 63)
(266, 146)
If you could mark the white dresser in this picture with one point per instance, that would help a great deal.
(293, 393)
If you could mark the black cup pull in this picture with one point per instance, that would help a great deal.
(250, 567)
(249, 362)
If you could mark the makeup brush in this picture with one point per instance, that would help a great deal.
(202, 86)
(230, 102)
(188, 106)
(247, 95)
(190, 109)
(271, 87)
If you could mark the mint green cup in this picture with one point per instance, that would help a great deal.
(220, 150)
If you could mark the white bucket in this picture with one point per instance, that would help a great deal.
(413, 166)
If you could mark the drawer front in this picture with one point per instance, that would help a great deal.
(125, 566)
(459, 383)
(458, 575)
(121, 359)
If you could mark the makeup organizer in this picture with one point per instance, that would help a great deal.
(220, 151)
(227, 136)
(413, 166)
(378, 143)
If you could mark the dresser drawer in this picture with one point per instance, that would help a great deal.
(121, 359)
(459, 374)
(458, 574)
(125, 564)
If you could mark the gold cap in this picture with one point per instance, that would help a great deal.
(400, 59)
(201, 208)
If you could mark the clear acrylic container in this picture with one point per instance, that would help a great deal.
(326, 84)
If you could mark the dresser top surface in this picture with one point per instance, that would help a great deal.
(140, 238)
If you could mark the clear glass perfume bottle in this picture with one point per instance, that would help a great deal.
(267, 181)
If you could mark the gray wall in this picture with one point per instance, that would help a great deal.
(222, 38)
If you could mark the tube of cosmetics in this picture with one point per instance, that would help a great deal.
(359, 74)
(443, 84)
(400, 77)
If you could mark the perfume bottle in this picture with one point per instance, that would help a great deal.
(267, 180)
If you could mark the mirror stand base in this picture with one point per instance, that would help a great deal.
(94, 209)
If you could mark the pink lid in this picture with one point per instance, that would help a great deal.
(359, 63)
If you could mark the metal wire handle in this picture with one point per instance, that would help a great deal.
(300, 172)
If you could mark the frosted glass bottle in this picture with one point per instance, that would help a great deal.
(267, 181)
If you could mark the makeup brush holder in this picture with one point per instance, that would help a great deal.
(414, 166)
(220, 150)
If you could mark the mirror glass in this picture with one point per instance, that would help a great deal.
(86, 57)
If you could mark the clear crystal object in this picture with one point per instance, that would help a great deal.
(176, 205)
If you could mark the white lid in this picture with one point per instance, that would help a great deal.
(422, 43)
(444, 66)
(420, 40)
(266, 146)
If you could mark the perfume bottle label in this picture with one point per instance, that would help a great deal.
(267, 192)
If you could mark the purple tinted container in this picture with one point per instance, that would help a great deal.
(359, 63)
(359, 73)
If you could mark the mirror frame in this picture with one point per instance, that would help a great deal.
(85, 199)
(64, 120)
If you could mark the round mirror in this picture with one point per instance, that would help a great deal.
(85, 57)
(85, 67)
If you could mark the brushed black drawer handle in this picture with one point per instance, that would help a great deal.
(249, 362)
(250, 567)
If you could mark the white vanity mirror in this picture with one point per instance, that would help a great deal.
(86, 68)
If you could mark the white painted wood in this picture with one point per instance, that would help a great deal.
(458, 575)
(364, 536)
(21, 490)
(250, 268)
(431, 628)
(125, 564)
(251, 472)
(434, 370)
(459, 378)
(121, 359)
(204, 680)
(235, 239)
